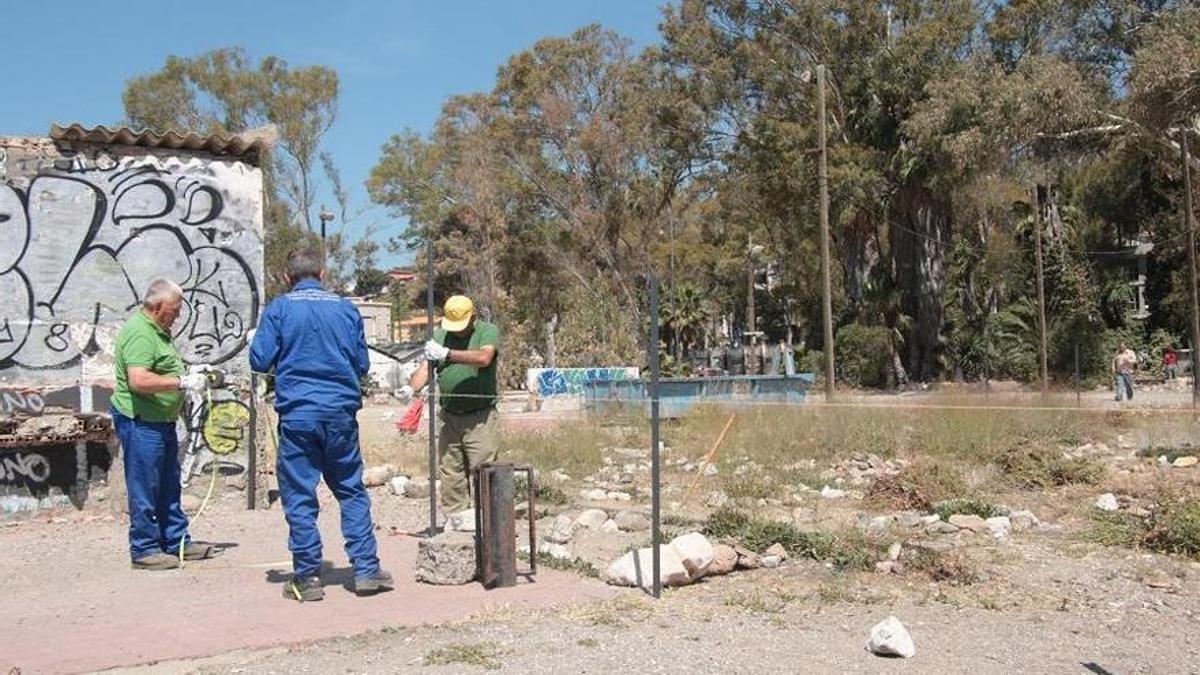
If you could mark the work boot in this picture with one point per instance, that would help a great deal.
(304, 589)
(156, 561)
(376, 583)
(198, 551)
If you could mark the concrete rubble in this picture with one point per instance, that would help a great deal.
(446, 560)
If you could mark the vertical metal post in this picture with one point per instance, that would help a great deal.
(826, 284)
(655, 496)
(751, 319)
(1190, 224)
(252, 448)
(1041, 292)
(432, 397)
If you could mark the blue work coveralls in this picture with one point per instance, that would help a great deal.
(314, 340)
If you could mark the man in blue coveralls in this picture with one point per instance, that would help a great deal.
(315, 342)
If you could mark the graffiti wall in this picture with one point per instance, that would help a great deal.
(84, 229)
(81, 240)
(551, 382)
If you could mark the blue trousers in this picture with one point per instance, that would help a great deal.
(156, 520)
(309, 450)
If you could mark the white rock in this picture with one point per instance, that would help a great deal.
(1107, 502)
(636, 568)
(889, 638)
(1185, 462)
(557, 551)
(561, 530)
(711, 470)
(594, 495)
(1023, 520)
(559, 476)
(894, 551)
(591, 519)
(1000, 526)
(378, 475)
(416, 488)
(770, 561)
(695, 551)
(724, 560)
(619, 496)
(610, 526)
(777, 550)
(632, 521)
(930, 519)
(463, 521)
(397, 485)
(832, 493)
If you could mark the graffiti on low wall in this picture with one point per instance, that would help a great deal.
(47, 475)
(551, 382)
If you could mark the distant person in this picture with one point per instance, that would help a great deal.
(151, 381)
(1123, 366)
(464, 351)
(315, 342)
(1170, 362)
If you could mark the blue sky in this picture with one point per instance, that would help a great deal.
(398, 61)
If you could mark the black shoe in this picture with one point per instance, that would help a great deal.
(303, 589)
(376, 583)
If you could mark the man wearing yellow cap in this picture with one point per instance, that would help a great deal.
(464, 352)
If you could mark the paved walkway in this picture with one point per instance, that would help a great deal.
(72, 603)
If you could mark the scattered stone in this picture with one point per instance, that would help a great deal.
(889, 638)
(447, 559)
(397, 485)
(941, 527)
(970, 522)
(716, 500)
(879, 525)
(561, 530)
(770, 561)
(636, 568)
(559, 476)
(417, 488)
(1023, 520)
(619, 496)
(592, 519)
(696, 553)
(1107, 502)
(1163, 461)
(886, 567)
(725, 559)
(632, 521)
(463, 521)
(832, 493)
(594, 495)
(378, 475)
(894, 551)
(777, 550)
(747, 559)
(1185, 461)
(711, 470)
(908, 520)
(610, 526)
(1000, 526)
(556, 551)
(930, 519)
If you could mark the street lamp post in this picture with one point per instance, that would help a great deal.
(326, 218)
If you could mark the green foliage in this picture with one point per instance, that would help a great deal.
(863, 355)
(968, 506)
(1034, 466)
(483, 654)
(1173, 527)
(916, 487)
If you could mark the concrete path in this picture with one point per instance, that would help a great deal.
(72, 603)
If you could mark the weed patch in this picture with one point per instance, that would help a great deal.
(845, 552)
(948, 567)
(916, 487)
(482, 654)
(968, 506)
(1174, 527)
(573, 565)
(1032, 466)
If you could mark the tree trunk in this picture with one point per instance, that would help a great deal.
(919, 259)
(550, 344)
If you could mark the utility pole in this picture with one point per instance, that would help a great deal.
(1190, 223)
(751, 320)
(326, 218)
(1041, 291)
(826, 286)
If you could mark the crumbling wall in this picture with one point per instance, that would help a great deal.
(84, 229)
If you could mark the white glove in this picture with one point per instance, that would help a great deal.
(404, 393)
(435, 352)
(250, 335)
(200, 368)
(193, 383)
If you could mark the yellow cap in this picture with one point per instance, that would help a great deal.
(458, 311)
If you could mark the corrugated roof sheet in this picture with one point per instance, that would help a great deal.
(248, 147)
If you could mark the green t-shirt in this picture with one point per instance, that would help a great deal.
(478, 384)
(143, 343)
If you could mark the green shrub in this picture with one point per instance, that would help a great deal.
(863, 355)
(1033, 466)
(968, 506)
(916, 487)
(846, 552)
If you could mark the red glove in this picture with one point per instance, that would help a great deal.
(412, 417)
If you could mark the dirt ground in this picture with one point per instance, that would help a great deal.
(1044, 600)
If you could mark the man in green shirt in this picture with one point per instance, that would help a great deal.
(464, 352)
(151, 381)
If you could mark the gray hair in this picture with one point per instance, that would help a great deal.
(304, 263)
(160, 291)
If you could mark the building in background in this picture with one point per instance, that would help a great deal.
(377, 320)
